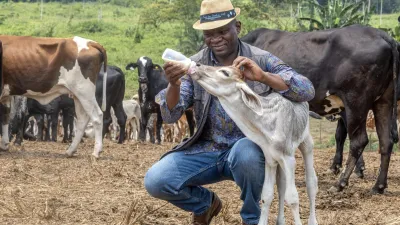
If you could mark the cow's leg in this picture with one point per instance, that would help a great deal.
(360, 167)
(340, 136)
(70, 122)
(106, 122)
(158, 127)
(143, 124)
(280, 220)
(40, 124)
(267, 194)
(22, 120)
(5, 139)
(121, 118)
(358, 140)
(190, 121)
(82, 120)
(65, 124)
(53, 126)
(306, 149)
(383, 122)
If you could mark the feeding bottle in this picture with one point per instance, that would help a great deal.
(173, 56)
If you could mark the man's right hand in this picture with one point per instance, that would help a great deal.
(173, 73)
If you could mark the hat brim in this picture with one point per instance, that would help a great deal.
(214, 24)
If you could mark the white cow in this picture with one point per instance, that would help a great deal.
(275, 124)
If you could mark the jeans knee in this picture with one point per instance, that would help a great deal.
(246, 156)
(158, 185)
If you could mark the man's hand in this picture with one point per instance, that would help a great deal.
(253, 72)
(173, 73)
(250, 70)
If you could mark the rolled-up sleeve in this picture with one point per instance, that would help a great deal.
(300, 89)
(185, 101)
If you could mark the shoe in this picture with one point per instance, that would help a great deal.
(207, 216)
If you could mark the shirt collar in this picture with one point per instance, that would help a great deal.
(214, 59)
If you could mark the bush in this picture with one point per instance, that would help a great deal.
(93, 26)
(45, 30)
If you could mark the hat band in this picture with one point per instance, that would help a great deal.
(217, 16)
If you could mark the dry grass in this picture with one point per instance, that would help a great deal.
(41, 186)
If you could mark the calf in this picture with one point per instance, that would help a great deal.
(151, 81)
(45, 68)
(132, 110)
(275, 124)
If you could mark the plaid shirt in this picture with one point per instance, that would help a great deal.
(220, 132)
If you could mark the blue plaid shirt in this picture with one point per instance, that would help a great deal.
(220, 132)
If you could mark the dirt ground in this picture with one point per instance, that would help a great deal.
(39, 185)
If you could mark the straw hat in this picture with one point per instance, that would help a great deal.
(215, 13)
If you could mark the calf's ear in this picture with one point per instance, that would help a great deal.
(131, 66)
(249, 98)
(156, 67)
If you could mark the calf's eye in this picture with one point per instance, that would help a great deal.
(225, 73)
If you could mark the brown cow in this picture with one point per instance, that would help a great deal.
(45, 68)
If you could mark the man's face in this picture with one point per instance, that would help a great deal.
(223, 40)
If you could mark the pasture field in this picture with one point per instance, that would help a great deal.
(117, 28)
(39, 185)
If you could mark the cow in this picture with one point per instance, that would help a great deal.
(274, 123)
(45, 68)
(133, 116)
(115, 96)
(151, 81)
(353, 69)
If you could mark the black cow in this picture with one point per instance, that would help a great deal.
(151, 81)
(352, 69)
(115, 96)
(23, 108)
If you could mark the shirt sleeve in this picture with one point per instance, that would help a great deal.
(300, 89)
(185, 101)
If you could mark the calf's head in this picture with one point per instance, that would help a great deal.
(227, 84)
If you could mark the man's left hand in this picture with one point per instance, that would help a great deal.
(250, 70)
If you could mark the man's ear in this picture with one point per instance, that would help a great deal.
(238, 26)
(250, 98)
(156, 67)
(131, 66)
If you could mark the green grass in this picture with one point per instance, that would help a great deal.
(118, 26)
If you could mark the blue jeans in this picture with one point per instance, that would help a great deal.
(177, 177)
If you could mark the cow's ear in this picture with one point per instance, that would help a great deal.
(250, 98)
(131, 66)
(156, 67)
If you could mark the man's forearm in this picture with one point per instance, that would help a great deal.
(274, 81)
(172, 96)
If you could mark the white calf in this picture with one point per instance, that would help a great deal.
(275, 124)
(133, 115)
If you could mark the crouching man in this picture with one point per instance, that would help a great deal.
(218, 150)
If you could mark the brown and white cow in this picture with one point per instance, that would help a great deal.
(45, 68)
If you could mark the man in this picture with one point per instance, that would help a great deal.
(218, 150)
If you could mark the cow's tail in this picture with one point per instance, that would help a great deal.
(103, 52)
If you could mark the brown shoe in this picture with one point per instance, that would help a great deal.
(206, 217)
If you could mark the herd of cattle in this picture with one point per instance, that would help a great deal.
(353, 69)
